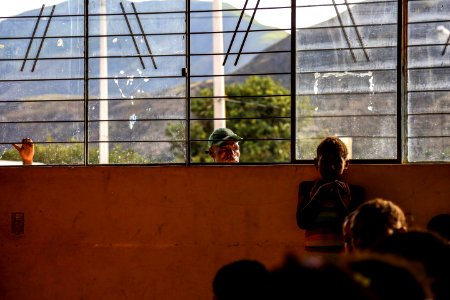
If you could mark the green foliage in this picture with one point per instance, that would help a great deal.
(260, 116)
(73, 154)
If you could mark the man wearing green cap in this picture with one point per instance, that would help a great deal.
(223, 146)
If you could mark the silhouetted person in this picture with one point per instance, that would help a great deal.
(223, 146)
(324, 203)
(426, 248)
(374, 220)
(440, 224)
(241, 280)
(26, 151)
(390, 278)
(313, 279)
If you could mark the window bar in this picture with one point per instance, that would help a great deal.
(293, 79)
(446, 44)
(343, 31)
(32, 37)
(132, 37)
(86, 85)
(246, 33)
(357, 31)
(43, 38)
(188, 83)
(143, 34)
(234, 33)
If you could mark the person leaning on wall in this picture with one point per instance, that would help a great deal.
(223, 146)
(26, 151)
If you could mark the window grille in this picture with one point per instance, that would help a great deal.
(119, 82)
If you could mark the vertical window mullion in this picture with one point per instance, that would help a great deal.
(402, 71)
(293, 77)
(86, 81)
(188, 82)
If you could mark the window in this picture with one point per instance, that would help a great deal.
(146, 81)
(428, 97)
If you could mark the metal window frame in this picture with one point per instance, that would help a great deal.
(401, 94)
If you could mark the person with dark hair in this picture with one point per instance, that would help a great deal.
(26, 151)
(241, 280)
(426, 248)
(324, 203)
(440, 224)
(314, 278)
(374, 220)
(223, 146)
(389, 278)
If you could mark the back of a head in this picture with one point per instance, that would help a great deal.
(390, 278)
(318, 280)
(242, 279)
(440, 224)
(375, 219)
(427, 248)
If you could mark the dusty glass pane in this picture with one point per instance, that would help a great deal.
(136, 66)
(113, 6)
(428, 121)
(142, 109)
(41, 73)
(347, 79)
(245, 65)
(140, 153)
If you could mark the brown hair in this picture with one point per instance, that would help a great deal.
(332, 145)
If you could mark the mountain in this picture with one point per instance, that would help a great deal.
(130, 83)
(172, 22)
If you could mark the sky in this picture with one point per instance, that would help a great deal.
(279, 19)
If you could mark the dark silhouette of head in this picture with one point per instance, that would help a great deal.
(310, 279)
(389, 278)
(331, 158)
(426, 248)
(374, 220)
(440, 224)
(241, 280)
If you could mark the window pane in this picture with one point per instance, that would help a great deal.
(240, 78)
(428, 105)
(41, 80)
(137, 54)
(347, 78)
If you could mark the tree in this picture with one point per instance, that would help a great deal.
(259, 110)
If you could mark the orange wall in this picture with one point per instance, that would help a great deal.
(162, 232)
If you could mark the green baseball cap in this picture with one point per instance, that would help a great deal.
(221, 135)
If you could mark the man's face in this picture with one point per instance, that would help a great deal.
(331, 166)
(228, 152)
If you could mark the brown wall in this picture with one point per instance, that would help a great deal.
(162, 232)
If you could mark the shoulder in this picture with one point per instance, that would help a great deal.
(356, 188)
(357, 193)
(305, 188)
(306, 185)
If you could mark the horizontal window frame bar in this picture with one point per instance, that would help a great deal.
(346, 93)
(239, 96)
(345, 48)
(244, 118)
(428, 137)
(243, 75)
(341, 4)
(429, 114)
(349, 71)
(299, 29)
(348, 116)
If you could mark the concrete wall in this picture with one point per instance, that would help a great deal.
(162, 232)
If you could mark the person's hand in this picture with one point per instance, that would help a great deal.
(336, 188)
(26, 151)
